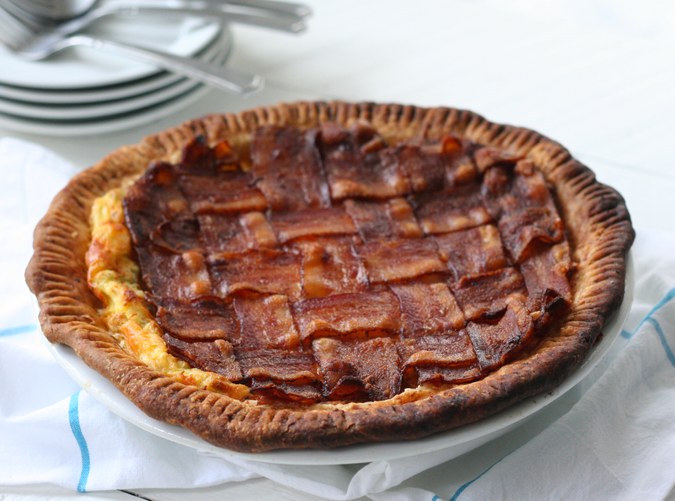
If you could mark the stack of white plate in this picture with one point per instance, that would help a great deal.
(81, 91)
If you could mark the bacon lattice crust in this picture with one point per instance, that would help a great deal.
(341, 268)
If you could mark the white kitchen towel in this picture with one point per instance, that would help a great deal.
(618, 441)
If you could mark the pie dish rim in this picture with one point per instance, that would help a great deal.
(68, 310)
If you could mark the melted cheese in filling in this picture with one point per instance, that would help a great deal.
(114, 277)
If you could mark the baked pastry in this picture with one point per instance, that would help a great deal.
(315, 275)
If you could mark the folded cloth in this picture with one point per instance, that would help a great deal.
(618, 441)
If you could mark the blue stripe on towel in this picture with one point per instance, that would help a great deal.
(664, 342)
(668, 297)
(461, 489)
(21, 329)
(74, 417)
(627, 335)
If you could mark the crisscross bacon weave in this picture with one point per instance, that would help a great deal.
(339, 267)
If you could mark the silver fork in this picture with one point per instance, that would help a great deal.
(30, 43)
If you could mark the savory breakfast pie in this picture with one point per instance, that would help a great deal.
(312, 275)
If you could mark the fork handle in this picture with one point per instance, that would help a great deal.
(289, 8)
(227, 79)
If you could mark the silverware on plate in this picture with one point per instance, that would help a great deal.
(212, 9)
(33, 42)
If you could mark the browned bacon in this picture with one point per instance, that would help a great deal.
(484, 297)
(179, 276)
(427, 309)
(222, 233)
(264, 271)
(393, 218)
(266, 321)
(450, 349)
(528, 226)
(355, 166)
(389, 260)
(363, 313)
(287, 166)
(350, 367)
(341, 268)
(300, 393)
(496, 344)
(548, 269)
(424, 164)
(448, 358)
(452, 210)
(200, 320)
(153, 201)
(278, 365)
(435, 166)
(330, 266)
(312, 222)
(487, 157)
(213, 356)
(473, 251)
(224, 192)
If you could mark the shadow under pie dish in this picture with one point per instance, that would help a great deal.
(313, 275)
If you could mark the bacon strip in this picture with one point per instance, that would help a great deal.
(201, 320)
(484, 297)
(473, 251)
(497, 344)
(152, 201)
(223, 233)
(487, 157)
(375, 220)
(355, 165)
(450, 349)
(300, 393)
(266, 321)
(213, 356)
(427, 309)
(330, 266)
(295, 367)
(527, 188)
(263, 271)
(312, 222)
(350, 367)
(224, 192)
(438, 165)
(348, 314)
(545, 273)
(424, 165)
(288, 165)
(523, 228)
(440, 359)
(179, 276)
(258, 231)
(177, 235)
(453, 210)
(389, 260)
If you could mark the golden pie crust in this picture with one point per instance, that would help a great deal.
(597, 227)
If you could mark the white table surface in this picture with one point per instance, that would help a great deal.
(598, 76)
